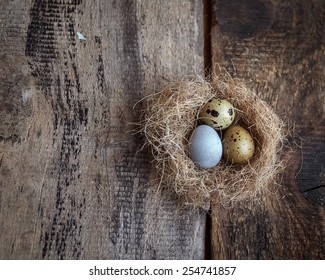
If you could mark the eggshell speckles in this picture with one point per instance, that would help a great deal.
(238, 145)
(205, 146)
(217, 113)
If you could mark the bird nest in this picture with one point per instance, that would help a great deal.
(170, 116)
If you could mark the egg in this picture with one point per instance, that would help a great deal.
(205, 147)
(238, 145)
(218, 113)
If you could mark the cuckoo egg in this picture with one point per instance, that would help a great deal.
(218, 113)
(205, 146)
(238, 145)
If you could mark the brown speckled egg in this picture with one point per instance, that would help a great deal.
(217, 113)
(238, 145)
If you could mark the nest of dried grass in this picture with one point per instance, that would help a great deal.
(169, 118)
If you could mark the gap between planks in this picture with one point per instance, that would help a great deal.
(207, 48)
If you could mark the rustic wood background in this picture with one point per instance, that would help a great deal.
(73, 184)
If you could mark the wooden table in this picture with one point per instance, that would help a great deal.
(73, 181)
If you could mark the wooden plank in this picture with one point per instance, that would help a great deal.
(73, 182)
(277, 48)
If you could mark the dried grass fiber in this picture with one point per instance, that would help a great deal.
(170, 116)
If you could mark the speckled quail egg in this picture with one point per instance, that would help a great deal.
(205, 147)
(217, 113)
(238, 145)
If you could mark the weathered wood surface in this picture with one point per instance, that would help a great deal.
(278, 48)
(72, 183)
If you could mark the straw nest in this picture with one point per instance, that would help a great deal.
(170, 116)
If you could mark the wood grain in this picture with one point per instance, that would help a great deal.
(277, 48)
(74, 184)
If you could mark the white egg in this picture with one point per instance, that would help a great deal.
(205, 146)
